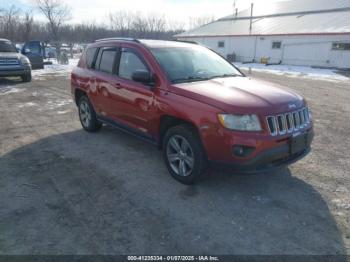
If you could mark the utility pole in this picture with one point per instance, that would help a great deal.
(235, 9)
(251, 18)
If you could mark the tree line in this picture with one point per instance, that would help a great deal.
(21, 26)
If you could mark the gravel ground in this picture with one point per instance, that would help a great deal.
(64, 191)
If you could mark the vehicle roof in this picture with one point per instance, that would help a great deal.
(148, 42)
(164, 43)
(4, 40)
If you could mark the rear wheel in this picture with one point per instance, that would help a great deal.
(184, 154)
(27, 77)
(87, 115)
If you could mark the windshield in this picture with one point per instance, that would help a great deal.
(6, 46)
(188, 64)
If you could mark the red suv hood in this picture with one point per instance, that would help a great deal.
(241, 95)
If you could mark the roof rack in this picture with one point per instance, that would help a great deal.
(185, 41)
(118, 38)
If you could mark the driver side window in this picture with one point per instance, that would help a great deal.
(130, 62)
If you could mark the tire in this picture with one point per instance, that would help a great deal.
(27, 77)
(187, 160)
(87, 115)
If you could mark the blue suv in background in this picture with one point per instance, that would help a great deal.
(35, 51)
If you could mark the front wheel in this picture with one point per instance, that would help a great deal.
(184, 154)
(87, 115)
(27, 77)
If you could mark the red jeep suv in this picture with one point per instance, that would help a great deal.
(192, 103)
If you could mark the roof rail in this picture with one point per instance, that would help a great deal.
(185, 41)
(118, 38)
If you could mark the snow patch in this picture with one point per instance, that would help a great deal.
(295, 71)
(341, 204)
(55, 69)
(9, 90)
(54, 104)
(28, 104)
(63, 112)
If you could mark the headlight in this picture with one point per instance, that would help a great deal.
(240, 122)
(24, 60)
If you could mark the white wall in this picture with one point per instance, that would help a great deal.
(310, 50)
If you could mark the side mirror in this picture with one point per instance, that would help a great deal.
(142, 76)
(27, 51)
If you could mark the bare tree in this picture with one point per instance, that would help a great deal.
(121, 21)
(155, 25)
(175, 26)
(10, 19)
(21, 27)
(70, 36)
(134, 24)
(27, 25)
(57, 13)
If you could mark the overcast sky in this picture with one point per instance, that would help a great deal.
(179, 10)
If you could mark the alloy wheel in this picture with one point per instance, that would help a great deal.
(85, 113)
(180, 155)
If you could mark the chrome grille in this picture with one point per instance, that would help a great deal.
(288, 122)
(271, 121)
(281, 124)
(9, 61)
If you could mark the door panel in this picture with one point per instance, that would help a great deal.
(102, 81)
(131, 102)
(100, 86)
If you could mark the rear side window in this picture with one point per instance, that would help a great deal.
(90, 55)
(130, 62)
(107, 60)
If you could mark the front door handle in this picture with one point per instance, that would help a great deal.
(118, 85)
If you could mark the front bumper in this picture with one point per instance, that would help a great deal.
(266, 161)
(15, 71)
(270, 152)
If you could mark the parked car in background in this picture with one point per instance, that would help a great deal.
(19, 47)
(35, 52)
(13, 63)
(193, 104)
(50, 52)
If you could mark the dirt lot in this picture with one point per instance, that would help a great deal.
(64, 191)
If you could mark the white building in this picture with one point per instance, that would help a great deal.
(295, 32)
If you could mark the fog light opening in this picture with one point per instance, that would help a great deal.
(242, 151)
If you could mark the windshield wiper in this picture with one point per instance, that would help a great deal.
(189, 79)
(224, 75)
